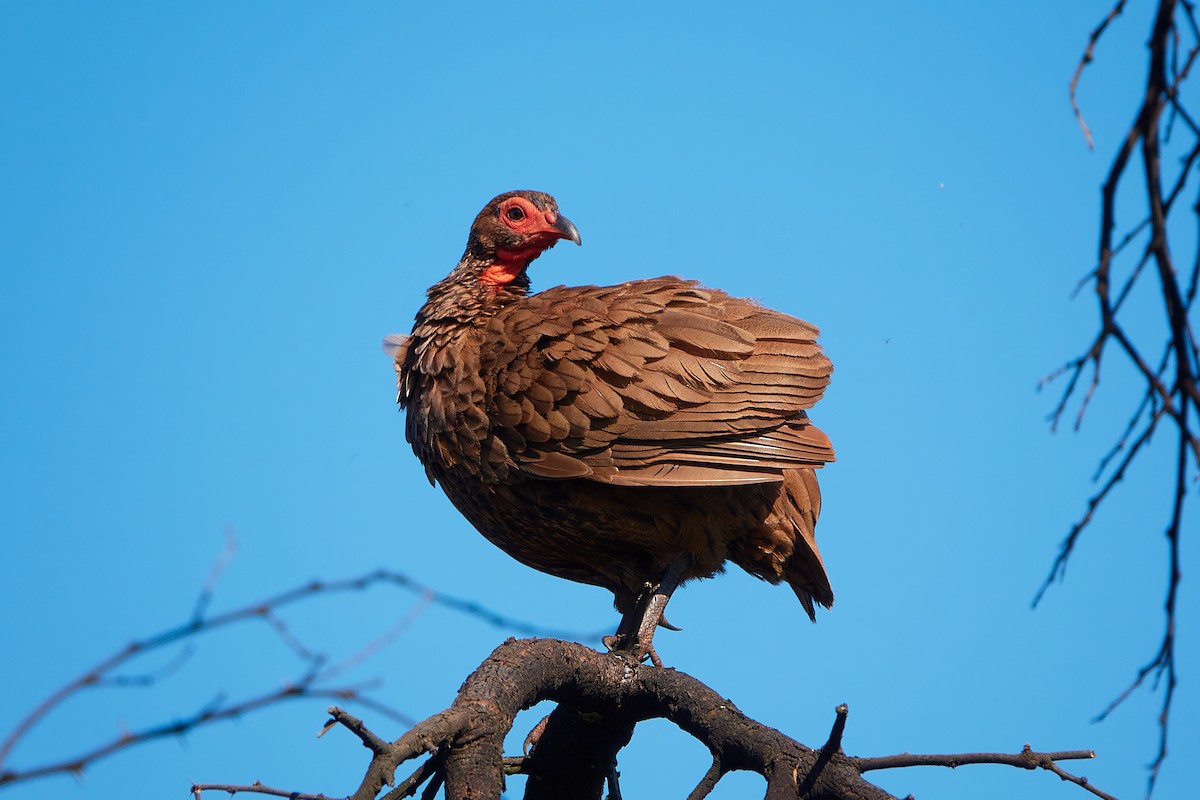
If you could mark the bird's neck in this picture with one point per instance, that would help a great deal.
(475, 290)
(506, 268)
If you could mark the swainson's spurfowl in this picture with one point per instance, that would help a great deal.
(633, 437)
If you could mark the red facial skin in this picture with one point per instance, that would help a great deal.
(536, 228)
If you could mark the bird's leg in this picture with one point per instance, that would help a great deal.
(655, 607)
(624, 635)
(635, 634)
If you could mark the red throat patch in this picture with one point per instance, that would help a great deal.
(501, 274)
(511, 263)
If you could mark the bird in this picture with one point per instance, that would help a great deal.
(634, 437)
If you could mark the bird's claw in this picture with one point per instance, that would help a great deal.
(535, 736)
(640, 650)
(635, 634)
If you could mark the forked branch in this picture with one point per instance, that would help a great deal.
(314, 679)
(601, 696)
(1168, 391)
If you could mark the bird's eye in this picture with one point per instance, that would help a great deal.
(516, 214)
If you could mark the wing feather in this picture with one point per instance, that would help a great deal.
(655, 383)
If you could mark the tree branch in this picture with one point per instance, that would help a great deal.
(254, 788)
(1160, 398)
(601, 696)
(312, 682)
(1026, 759)
(1088, 56)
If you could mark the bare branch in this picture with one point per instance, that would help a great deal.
(1088, 56)
(1147, 403)
(1026, 759)
(408, 787)
(1171, 391)
(311, 682)
(255, 788)
(383, 641)
(832, 747)
(1059, 568)
(1163, 663)
(612, 692)
(708, 782)
(216, 711)
(355, 725)
(214, 575)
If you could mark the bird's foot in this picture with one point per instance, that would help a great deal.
(535, 735)
(645, 650)
(639, 650)
(643, 643)
(635, 634)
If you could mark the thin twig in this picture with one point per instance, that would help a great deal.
(309, 684)
(1059, 568)
(1163, 398)
(214, 575)
(1088, 56)
(409, 786)
(356, 726)
(389, 636)
(255, 788)
(215, 711)
(1027, 759)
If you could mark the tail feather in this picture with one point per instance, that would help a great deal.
(805, 570)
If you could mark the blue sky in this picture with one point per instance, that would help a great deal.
(212, 212)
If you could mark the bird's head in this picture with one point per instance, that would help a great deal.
(511, 231)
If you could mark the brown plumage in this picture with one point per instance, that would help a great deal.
(622, 436)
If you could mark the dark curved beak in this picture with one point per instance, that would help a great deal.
(567, 229)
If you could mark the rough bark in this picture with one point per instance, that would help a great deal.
(601, 697)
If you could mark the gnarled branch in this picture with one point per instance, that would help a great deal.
(1168, 391)
(601, 697)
